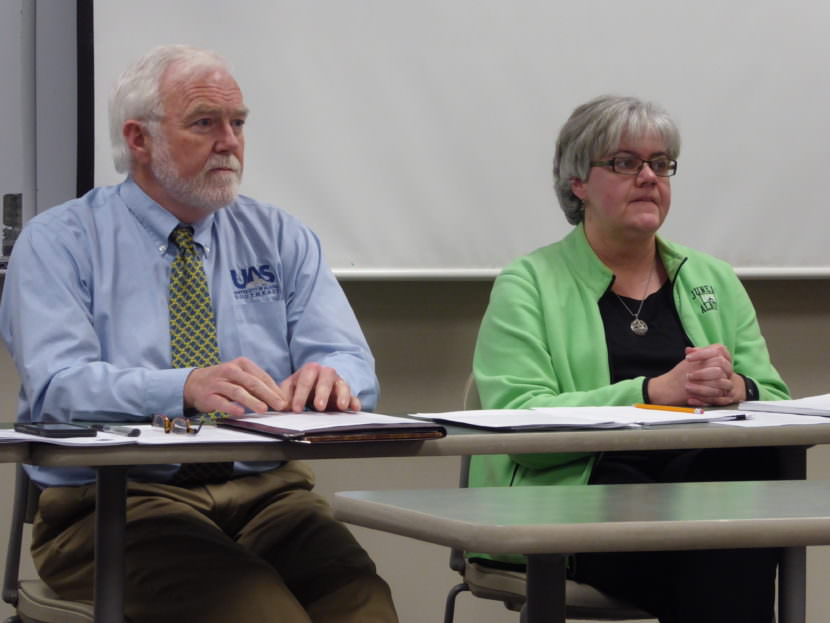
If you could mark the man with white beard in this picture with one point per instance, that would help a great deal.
(171, 294)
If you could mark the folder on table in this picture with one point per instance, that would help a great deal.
(331, 427)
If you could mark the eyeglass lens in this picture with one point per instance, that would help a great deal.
(662, 166)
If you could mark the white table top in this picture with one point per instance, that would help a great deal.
(458, 442)
(600, 518)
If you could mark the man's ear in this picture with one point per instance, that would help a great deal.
(137, 139)
(578, 188)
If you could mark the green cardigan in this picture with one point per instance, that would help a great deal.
(542, 343)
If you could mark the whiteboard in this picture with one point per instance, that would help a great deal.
(416, 137)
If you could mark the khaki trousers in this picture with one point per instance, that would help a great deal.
(252, 550)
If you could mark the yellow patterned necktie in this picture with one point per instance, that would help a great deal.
(192, 326)
(192, 337)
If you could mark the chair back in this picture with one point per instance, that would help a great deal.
(34, 601)
(472, 400)
(23, 511)
(582, 601)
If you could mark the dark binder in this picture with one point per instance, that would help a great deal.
(375, 428)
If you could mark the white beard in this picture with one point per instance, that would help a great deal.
(205, 191)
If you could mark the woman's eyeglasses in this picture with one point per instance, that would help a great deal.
(662, 166)
(180, 425)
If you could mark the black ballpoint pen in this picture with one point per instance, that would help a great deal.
(126, 431)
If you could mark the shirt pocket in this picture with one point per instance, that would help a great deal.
(262, 334)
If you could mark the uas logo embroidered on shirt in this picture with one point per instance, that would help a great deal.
(707, 298)
(255, 283)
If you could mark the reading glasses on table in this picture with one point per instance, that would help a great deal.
(180, 425)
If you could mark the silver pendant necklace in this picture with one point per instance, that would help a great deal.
(637, 326)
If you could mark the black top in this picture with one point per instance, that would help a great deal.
(652, 354)
(631, 355)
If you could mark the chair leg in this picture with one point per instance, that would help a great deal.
(449, 607)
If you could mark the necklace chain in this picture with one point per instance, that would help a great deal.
(638, 327)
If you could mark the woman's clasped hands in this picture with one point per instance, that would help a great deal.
(703, 378)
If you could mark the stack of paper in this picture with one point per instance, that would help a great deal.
(563, 418)
(812, 405)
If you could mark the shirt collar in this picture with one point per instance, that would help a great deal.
(158, 221)
(587, 265)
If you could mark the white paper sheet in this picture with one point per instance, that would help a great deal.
(154, 436)
(553, 418)
(759, 418)
(312, 420)
(811, 405)
(101, 439)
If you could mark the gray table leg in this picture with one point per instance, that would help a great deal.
(792, 572)
(545, 589)
(110, 523)
(792, 583)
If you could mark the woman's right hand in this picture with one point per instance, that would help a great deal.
(703, 378)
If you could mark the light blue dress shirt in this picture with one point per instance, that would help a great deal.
(84, 309)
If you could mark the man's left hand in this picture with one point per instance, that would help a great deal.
(320, 388)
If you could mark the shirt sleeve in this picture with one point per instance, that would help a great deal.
(46, 320)
(322, 326)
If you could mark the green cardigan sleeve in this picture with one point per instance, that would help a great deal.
(524, 359)
(749, 351)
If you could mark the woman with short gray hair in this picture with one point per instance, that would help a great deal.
(596, 128)
(613, 314)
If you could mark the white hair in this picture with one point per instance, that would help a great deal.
(594, 130)
(137, 93)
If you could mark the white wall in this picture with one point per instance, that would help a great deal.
(422, 334)
(420, 135)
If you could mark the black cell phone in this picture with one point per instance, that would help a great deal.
(54, 429)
